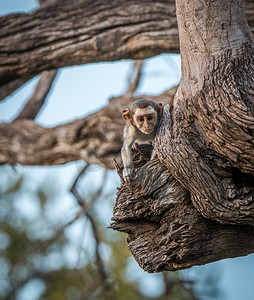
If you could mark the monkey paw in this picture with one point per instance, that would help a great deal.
(135, 146)
(127, 174)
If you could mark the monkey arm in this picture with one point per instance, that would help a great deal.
(129, 138)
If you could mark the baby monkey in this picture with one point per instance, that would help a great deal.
(142, 119)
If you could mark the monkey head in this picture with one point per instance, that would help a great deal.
(143, 114)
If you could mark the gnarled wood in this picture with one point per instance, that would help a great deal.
(211, 138)
(195, 203)
(165, 231)
(219, 190)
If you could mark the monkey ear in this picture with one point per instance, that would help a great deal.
(160, 110)
(126, 113)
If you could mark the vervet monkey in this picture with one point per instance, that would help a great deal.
(142, 119)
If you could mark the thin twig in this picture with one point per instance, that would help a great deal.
(86, 207)
(136, 73)
(118, 169)
(97, 242)
(97, 195)
(73, 189)
(38, 98)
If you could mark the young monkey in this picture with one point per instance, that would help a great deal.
(141, 125)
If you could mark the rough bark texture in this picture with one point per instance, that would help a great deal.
(213, 114)
(165, 231)
(207, 144)
(66, 33)
(215, 157)
(97, 138)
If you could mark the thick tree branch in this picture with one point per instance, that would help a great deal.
(38, 98)
(77, 32)
(66, 33)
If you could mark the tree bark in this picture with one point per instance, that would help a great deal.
(165, 231)
(66, 33)
(207, 145)
(214, 110)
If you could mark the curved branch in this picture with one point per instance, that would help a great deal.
(79, 32)
(66, 33)
(218, 190)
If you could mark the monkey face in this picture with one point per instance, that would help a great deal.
(146, 120)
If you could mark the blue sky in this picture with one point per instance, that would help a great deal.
(78, 91)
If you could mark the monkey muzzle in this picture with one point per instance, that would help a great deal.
(146, 130)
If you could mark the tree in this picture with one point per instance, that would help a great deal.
(194, 204)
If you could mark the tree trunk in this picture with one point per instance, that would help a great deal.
(214, 110)
(207, 145)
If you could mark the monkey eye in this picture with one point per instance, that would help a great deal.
(149, 118)
(141, 119)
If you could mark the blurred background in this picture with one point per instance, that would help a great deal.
(48, 248)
